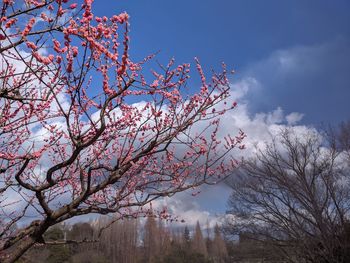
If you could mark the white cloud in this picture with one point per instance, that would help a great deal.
(187, 210)
(294, 117)
(210, 204)
(259, 127)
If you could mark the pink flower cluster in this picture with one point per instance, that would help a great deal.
(28, 27)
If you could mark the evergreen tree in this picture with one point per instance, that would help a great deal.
(186, 236)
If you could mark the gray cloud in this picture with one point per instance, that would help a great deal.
(314, 80)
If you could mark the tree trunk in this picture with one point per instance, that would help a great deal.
(11, 254)
(35, 235)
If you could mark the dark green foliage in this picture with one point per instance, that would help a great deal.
(81, 231)
(54, 233)
(92, 256)
(58, 254)
(187, 238)
(183, 255)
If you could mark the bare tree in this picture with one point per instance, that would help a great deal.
(218, 247)
(151, 240)
(198, 243)
(295, 195)
(117, 239)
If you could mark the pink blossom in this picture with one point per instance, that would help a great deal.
(31, 45)
(73, 6)
(28, 27)
(75, 51)
(10, 22)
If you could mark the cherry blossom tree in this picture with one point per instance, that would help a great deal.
(84, 129)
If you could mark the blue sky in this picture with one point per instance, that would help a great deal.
(292, 60)
(290, 56)
(248, 36)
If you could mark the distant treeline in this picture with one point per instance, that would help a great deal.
(129, 241)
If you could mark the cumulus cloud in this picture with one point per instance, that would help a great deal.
(294, 118)
(289, 88)
(210, 205)
(285, 76)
